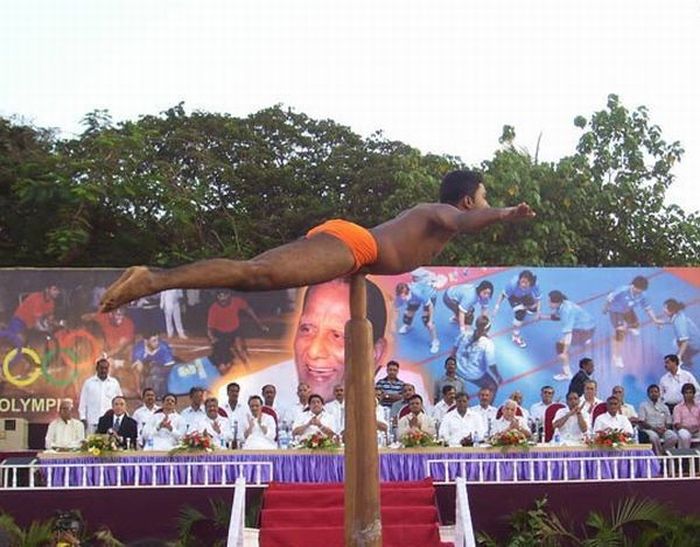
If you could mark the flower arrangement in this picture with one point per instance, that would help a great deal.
(99, 445)
(609, 439)
(197, 441)
(511, 438)
(319, 441)
(417, 438)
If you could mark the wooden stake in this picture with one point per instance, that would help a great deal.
(363, 527)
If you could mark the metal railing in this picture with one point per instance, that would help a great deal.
(191, 474)
(571, 469)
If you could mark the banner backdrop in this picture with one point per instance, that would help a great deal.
(51, 334)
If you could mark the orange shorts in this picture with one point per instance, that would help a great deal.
(359, 240)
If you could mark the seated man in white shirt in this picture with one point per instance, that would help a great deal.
(143, 413)
(314, 420)
(65, 432)
(590, 400)
(571, 422)
(510, 420)
(538, 409)
(462, 426)
(236, 412)
(656, 423)
(485, 409)
(165, 428)
(195, 412)
(416, 419)
(259, 430)
(448, 400)
(215, 425)
(626, 409)
(613, 419)
(517, 396)
(292, 413)
(337, 406)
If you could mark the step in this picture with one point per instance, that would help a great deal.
(312, 518)
(294, 499)
(398, 535)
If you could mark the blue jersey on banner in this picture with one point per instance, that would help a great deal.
(685, 329)
(573, 317)
(198, 373)
(513, 288)
(466, 297)
(622, 300)
(422, 294)
(474, 358)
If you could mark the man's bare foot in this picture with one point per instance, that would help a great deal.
(133, 283)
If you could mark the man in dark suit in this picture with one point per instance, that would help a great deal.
(585, 369)
(116, 422)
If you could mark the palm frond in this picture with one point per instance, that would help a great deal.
(38, 534)
(221, 512)
(185, 521)
(11, 528)
(632, 510)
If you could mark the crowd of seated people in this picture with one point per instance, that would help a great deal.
(669, 418)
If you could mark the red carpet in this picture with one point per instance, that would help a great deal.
(312, 515)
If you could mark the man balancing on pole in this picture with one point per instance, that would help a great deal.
(337, 248)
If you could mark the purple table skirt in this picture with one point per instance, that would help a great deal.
(295, 466)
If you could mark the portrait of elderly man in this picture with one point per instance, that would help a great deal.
(462, 426)
(315, 420)
(318, 344)
(416, 419)
(65, 432)
(570, 421)
(510, 421)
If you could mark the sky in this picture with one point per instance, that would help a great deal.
(442, 75)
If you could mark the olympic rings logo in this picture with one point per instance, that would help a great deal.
(70, 348)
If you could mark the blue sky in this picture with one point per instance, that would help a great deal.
(444, 76)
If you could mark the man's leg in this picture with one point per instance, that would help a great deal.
(240, 349)
(168, 321)
(670, 439)
(177, 319)
(684, 437)
(302, 262)
(654, 440)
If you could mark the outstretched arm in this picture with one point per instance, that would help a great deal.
(475, 220)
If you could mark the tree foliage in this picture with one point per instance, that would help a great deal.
(178, 186)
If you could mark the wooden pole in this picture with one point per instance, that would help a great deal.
(363, 527)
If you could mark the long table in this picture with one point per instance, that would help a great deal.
(222, 467)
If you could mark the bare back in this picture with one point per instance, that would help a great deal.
(414, 238)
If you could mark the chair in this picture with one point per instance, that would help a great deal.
(405, 409)
(271, 412)
(549, 413)
(499, 414)
(600, 408)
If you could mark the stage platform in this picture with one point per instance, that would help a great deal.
(540, 463)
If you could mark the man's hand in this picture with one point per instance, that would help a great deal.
(521, 211)
(467, 441)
